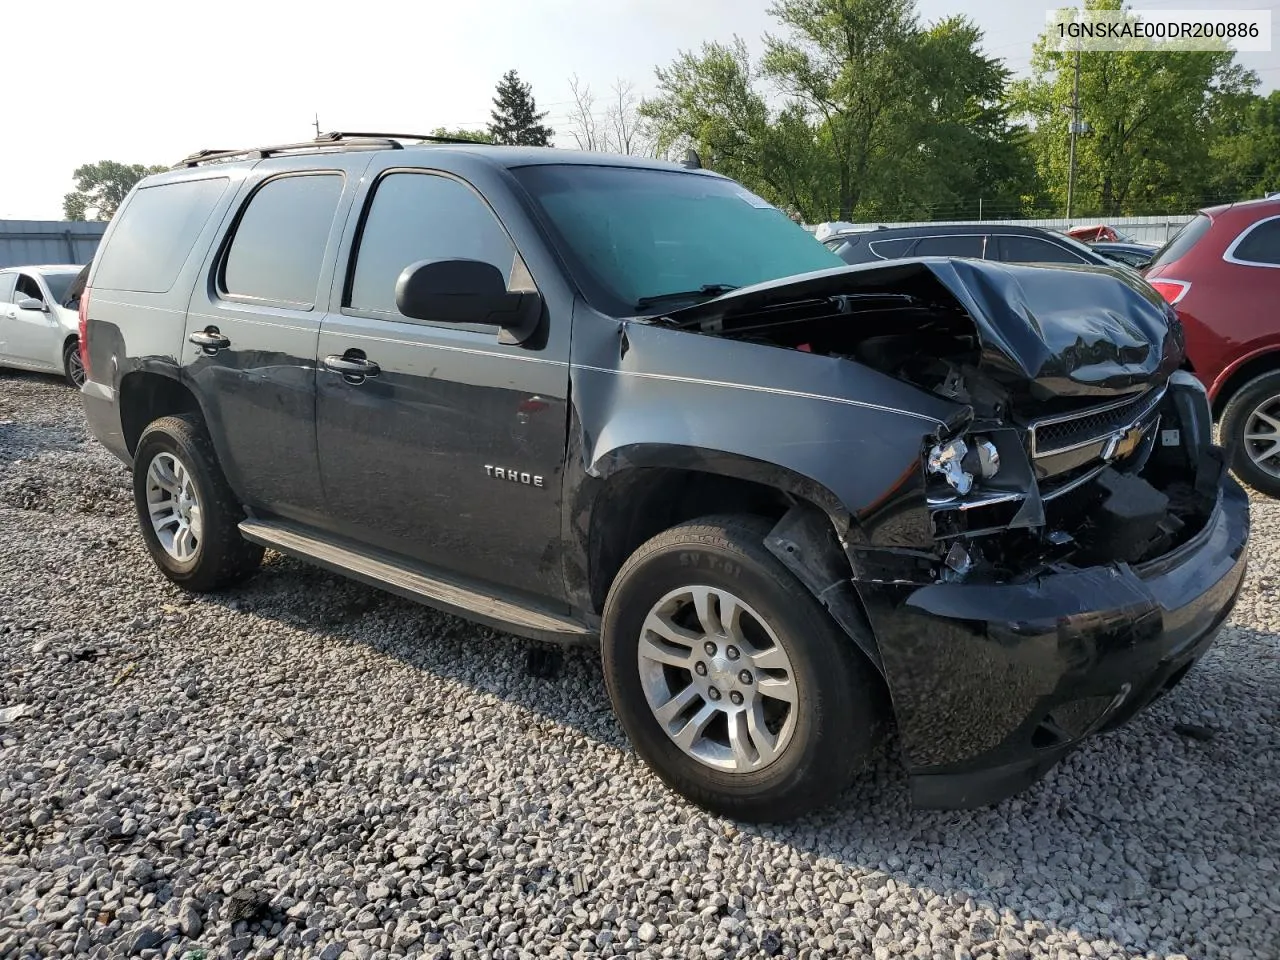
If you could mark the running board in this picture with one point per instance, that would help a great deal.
(414, 585)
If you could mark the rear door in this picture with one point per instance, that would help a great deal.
(451, 451)
(252, 326)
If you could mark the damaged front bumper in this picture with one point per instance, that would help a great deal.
(993, 683)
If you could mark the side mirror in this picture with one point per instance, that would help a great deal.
(31, 303)
(467, 291)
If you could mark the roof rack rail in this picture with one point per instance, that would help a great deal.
(336, 140)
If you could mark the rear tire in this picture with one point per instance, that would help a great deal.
(72, 368)
(806, 708)
(1254, 411)
(187, 513)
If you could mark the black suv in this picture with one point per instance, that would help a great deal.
(608, 400)
(1007, 243)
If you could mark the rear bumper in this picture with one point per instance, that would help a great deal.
(103, 415)
(993, 684)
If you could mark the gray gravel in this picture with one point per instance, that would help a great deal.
(309, 768)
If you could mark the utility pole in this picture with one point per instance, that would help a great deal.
(1075, 129)
(318, 133)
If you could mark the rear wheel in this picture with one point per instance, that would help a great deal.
(1251, 421)
(187, 513)
(731, 680)
(72, 367)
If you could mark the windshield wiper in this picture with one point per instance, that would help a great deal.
(707, 290)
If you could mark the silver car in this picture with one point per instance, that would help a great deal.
(39, 320)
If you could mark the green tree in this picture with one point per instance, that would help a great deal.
(1246, 151)
(515, 118)
(101, 188)
(479, 136)
(879, 115)
(1151, 116)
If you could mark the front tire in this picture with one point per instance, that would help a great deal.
(731, 680)
(187, 513)
(1251, 422)
(72, 368)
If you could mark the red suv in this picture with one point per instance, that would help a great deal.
(1222, 274)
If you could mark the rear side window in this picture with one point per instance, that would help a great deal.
(417, 216)
(1259, 244)
(278, 246)
(1182, 241)
(1014, 249)
(155, 233)
(956, 246)
(891, 249)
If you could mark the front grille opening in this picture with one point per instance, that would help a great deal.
(1088, 426)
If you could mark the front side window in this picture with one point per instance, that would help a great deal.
(1260, 243)
(639, 240)
(1016, 249)
(28, 286)
(422, 216)
(278, 247)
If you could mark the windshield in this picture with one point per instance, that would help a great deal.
(635, 238)
(58, 284)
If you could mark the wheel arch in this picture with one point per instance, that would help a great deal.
(646, 489)
(145, 396)
(1250, 367)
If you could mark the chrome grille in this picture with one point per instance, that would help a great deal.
(1059, 434)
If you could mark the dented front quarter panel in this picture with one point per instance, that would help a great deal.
(838, 434)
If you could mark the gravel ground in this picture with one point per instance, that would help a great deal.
(310, 768)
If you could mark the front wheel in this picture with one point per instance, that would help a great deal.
(188, 515)
(72, 367)
(1251, 422)
(731, 680)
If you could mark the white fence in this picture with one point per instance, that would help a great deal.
(1145, 229)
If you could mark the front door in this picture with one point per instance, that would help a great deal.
(33, 335)
(448, 447)
(252, 327)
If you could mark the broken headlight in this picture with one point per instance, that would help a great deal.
(958, 462)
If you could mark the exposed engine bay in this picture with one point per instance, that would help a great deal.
(1077, 440)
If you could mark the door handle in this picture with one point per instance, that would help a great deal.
(353, 366)
(210, 340)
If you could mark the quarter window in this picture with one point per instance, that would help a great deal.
(1261, 244)
(155, 233)
(891, 249)
(279, 243)
(422, 216)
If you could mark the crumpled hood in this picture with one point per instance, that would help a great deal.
(1048, 331)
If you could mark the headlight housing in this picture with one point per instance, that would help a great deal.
(960, 460)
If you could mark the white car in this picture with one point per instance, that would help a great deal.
(39, 320)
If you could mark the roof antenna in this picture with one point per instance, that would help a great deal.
(691, 160)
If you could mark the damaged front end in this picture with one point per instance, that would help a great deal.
(1067, 542)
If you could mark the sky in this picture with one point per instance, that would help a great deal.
(139, 81)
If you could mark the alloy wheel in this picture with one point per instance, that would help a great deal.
(174, 507)
(718, 679)
(1262, 436)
